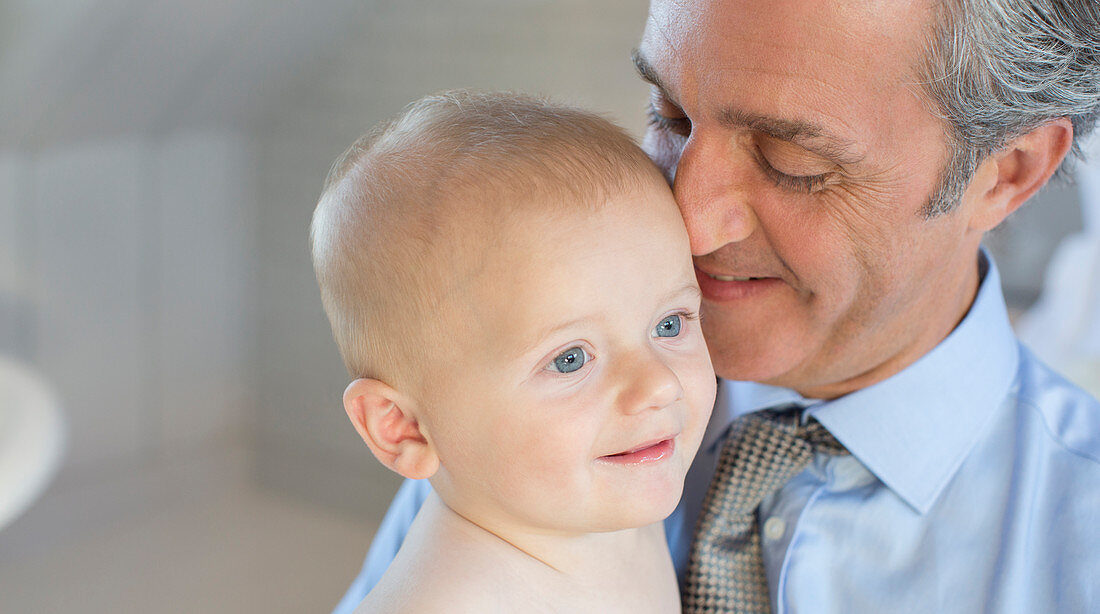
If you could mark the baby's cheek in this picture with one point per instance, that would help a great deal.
(551, 459)
(700, 395)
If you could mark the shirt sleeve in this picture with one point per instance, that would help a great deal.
(386, 542)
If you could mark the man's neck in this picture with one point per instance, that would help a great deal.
(952, 303)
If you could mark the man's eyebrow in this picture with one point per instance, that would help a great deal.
(645, 69)
(804, 134)
(649, 74)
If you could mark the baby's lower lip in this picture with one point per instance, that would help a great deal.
(649, 454)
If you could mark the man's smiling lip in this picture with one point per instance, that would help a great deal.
(723, 287)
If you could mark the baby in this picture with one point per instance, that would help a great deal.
(510, 283)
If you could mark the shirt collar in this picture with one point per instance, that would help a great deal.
(735, 399)
(914, 429)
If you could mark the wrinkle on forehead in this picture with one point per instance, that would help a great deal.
(849, 66)
(802, 37)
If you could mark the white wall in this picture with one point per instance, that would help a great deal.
(15, 313)
(129, 265)
(88, 251)
(1023, 244)
(205, 294)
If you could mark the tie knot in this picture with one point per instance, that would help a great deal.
(789, 419)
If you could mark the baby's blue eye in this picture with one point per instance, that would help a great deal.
(669, 327)
(570, 360)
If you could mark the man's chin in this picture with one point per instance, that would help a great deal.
(754, 360)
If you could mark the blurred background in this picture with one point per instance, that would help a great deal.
(171, 432)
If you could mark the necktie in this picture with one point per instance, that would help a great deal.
(763, 451)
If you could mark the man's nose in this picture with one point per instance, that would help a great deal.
(647, 382)
(711, 189)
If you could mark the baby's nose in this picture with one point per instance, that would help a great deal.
(650, 384)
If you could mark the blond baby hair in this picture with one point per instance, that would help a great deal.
(384, 213)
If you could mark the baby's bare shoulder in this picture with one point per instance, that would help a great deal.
(460, 591)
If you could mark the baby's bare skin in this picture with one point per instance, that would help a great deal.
(448, 564)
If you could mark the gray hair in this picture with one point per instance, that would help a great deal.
(997, 69)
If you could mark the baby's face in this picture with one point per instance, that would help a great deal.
(576, 383)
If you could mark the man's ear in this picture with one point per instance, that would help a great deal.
(1007, 178)
(385, 420)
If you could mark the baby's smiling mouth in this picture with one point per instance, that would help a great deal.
(649, 452)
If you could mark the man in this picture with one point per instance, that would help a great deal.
(837, 165)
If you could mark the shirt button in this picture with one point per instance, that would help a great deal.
(774, 528)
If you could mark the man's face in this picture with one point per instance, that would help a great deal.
(803, 154)
(574, 383)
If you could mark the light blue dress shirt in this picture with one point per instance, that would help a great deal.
(973, 485)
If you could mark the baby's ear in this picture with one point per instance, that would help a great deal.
(384, 419)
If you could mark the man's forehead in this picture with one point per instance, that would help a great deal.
(819, 73)
(690, 15)
(808, 134)
(775, 34)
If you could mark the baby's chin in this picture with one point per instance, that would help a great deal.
(609, 516)
(628, 521)
(617, 502)
(639, 511)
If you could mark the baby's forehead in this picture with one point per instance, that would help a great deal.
(516, 222)
(486, 238)
(475, 232)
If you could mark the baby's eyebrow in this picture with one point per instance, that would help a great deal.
(690, 288)
(539, 338)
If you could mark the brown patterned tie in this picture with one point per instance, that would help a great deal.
(763, 451)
